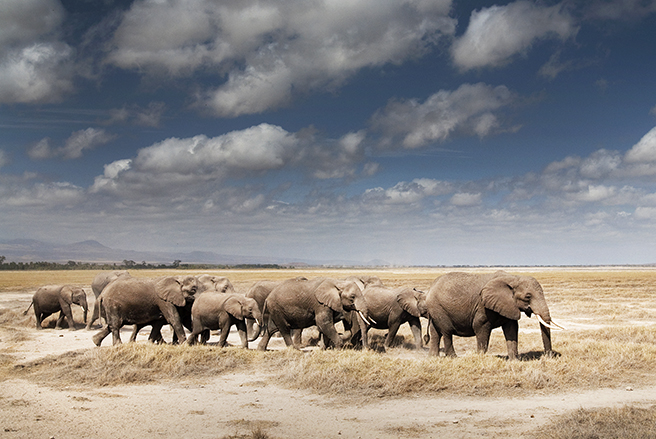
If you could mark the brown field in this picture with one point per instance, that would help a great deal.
(55, 382)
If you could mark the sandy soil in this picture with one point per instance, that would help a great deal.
(235, 404)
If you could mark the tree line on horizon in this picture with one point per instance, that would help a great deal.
(125, 265)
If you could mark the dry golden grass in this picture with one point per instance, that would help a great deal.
(628, 422)
(622, 351)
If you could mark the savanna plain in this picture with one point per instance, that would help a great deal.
(601, 382)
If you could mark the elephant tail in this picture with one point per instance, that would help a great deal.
(28, 308)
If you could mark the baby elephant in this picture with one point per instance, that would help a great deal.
(212, 311)
(50, 299)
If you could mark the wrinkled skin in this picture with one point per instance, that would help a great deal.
(390, 308)
(50, 299)
(141, 302)
(259, 292)
(212, 311)
(298, 304)
(100, 281)
(209, 282)
(469, 305)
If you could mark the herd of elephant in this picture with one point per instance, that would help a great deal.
(457, 303)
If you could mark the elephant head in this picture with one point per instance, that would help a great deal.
(242, 307)
(177, 289)
(77, 296)
(342, 297)
(510, 295)
(413, 301)
(208, 282)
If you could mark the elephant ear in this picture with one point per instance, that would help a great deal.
(408, 302)
(234, 307)
(497, 295)
(169, 289)
(328, 294)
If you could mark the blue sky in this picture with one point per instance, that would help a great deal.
(418, 132)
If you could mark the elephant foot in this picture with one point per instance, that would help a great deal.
(97, 339)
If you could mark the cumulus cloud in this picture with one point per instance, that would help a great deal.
(274, 51)
(644, 150)
(35, 65)
(74, 146)
(56, 195)
(497, 33)
(472, 109)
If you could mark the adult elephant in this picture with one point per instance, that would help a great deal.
(389, 308)
(468, 305)
(212, 311)
(259, 292)
(50, 299)
(141, 302)
(298, 304)
(100, 281)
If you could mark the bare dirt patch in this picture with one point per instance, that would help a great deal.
(606, 360)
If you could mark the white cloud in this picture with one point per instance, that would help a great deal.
(282, 49)
(497, 33)
(23, 21)
(56, 195)
(468, 110)
(78, 142)
(465, 199)
(620, 9)
(644, 150)
(36, 73)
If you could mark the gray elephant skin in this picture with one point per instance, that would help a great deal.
(468, 305)
(389, 308)
(212, 311)
(219, 284)
(141, 302)
(298, 304)
(100, 281)
(50, 299)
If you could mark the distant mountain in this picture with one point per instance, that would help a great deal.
(29, 250)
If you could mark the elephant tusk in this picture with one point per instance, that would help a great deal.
(368, 320)
(552, 325)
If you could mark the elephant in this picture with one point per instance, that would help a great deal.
(298, 304)
(100, 281)
(212, 311)
(209, 282)
(260, 291)
(468, 305)
(50, 299)
(141, 302)
(364, 281)
(389, 308)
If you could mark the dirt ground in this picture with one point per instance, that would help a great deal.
(236, 404)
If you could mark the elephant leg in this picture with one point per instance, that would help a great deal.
(264, 341)
(156, 334)
(364, 329)
(135, 331)
(243, 333)
(448, 345)
(37, 314)
(415, 327)
(297, 337)
(393, 329)
(116, 336)
(204, 336)
(95, 314)
(99, 337)
(434, 339)
(483, 338)
(60, 320)
(327, 328)
(68, 313)
(284, 329)
(225, 331)
(510, 332)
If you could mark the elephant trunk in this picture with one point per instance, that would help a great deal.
(255, 334)
(541, 310)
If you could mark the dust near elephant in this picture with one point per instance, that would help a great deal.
(141, 302)
(100, 281)
(212, 311)
(389, 308)
(50, 299)
(469, 305)
(298, 304)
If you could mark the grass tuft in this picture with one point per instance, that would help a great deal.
(628, 422)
